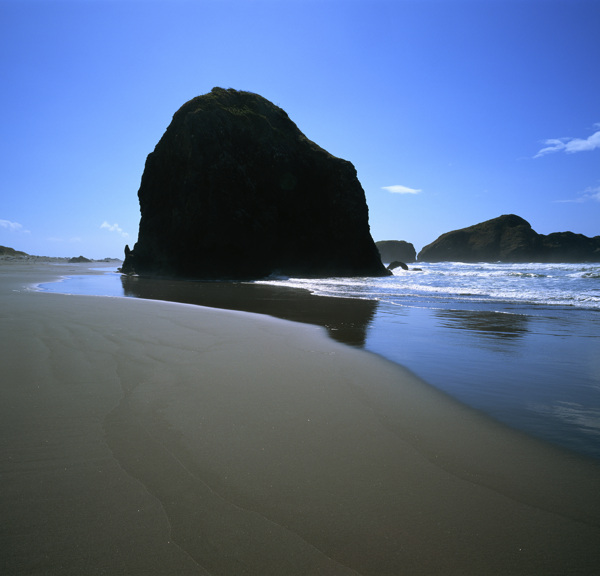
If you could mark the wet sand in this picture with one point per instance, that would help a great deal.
(141, 437)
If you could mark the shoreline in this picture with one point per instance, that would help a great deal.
(511, 362)
(141, 437)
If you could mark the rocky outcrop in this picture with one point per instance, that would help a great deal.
(79, 260)
(397, 264)
(510, 238)
(234, 190)
(571, 247)
(391, 250)
(507, 238)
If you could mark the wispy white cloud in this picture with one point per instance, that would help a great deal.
(590, 194)
(114, 228)
(12, 226)
(571, 145)
(398, 189)
(552, 145)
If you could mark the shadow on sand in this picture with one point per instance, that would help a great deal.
(346, 319)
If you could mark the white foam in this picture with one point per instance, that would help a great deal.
(529, 283)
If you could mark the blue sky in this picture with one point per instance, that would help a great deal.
(452, 111)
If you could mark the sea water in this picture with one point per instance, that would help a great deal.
(520, 342)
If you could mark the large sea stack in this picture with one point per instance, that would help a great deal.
(234, 190)
(510, 238)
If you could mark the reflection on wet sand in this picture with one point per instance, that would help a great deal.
(486, 323)
(345, 319)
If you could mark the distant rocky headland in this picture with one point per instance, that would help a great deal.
(510, 238)
(10, 255)
(234, 190)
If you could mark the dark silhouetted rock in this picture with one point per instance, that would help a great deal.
(571, 247)
(397, 264)
(234, 190)
(79, 260)
(509, 238)
(391, 250)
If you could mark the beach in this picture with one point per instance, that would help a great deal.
(143, 437)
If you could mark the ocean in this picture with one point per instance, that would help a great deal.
(519, 342)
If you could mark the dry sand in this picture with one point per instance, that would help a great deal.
(140, 437)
